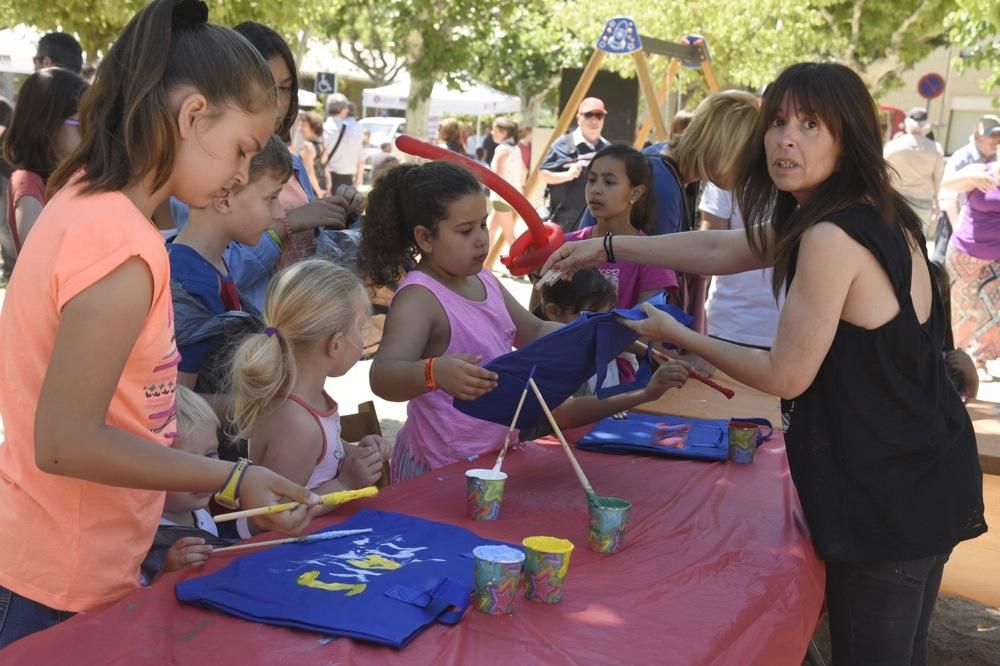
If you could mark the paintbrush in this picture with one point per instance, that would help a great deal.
(694, 374)
(330, 499)
(510, 431)
(592, 497)
(320, 536)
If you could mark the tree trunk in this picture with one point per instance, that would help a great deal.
(531, 109)
(418, 109)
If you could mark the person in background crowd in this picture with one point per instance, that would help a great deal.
(960, 175)
(58, 49)
(45, 129)
(88, 72)
(341, 143)
(524, 145)
(311, 127)
(567, 159)
(508, 164)
(6, 242)
(917, 165)
(679, 123)
(450, 136)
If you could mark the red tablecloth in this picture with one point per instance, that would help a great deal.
(717, 569)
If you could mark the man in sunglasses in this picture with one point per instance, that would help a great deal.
(568, 158)
(59, 49)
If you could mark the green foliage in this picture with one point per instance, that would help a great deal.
(752, 40)
(97, 22)
(975, 28)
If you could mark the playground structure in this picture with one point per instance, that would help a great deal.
(619, 37)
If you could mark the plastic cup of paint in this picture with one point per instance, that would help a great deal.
(483, 493)
(546, 561)
(607, 524)
(498, 574)
(742, 441)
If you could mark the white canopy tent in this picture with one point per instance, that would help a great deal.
(474, 99)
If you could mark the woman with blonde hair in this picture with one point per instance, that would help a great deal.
(314, 311)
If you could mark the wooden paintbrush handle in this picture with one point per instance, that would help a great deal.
(562, 440)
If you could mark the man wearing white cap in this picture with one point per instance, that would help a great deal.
(918, 164)
(566, 160)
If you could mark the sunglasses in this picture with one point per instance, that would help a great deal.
(595, 114)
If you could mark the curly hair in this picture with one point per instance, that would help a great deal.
(404, 198)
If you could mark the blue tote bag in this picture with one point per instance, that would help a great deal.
(384, 586)
(563, 361)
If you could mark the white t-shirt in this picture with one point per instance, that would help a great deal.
(344, 160)
(740, 307)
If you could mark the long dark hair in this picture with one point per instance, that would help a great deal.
(404, 198)
(46, 99)
(837, 97)
(129, 128)
(270, 44)
(639, 172)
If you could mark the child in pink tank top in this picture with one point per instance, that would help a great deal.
(449, 315)
(314, 313)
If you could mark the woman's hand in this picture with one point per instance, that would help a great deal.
(657, 325)
(262, 487)
(186, 552)
(460, 376)
(332, 211)
(575, 256)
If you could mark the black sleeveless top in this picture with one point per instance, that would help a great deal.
(881, 449)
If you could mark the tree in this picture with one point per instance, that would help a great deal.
(752, 40)
(435, 40)
(97, 22)
(975, 28)
(525, 57)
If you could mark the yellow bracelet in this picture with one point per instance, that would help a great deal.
(229, 495)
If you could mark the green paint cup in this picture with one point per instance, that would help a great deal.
(742, 441)
(607, 524)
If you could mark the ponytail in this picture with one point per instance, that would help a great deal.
(263, 368)
(404, 198)
(128, 121)
(305, 302)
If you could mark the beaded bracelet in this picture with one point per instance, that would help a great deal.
(608, 249)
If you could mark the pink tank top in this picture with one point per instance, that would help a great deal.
(434, 430)
(331, 458)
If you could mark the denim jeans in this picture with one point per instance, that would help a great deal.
(20, 617)
(879, 611)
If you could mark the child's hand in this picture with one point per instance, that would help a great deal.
(672, 374)
(460, 376)
(362, 466)
(262, 487)
(186, 552)
(380, 444)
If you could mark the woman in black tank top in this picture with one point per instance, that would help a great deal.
(880, 447)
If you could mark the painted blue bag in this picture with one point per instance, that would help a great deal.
(563, 361)
(669, 436)
(384, 586)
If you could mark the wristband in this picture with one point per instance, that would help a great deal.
(273, 235)
(429, 374)
(229, 495)
(608, 249)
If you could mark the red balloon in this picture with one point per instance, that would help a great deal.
(530, 250)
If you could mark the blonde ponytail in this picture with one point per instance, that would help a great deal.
(304, 303)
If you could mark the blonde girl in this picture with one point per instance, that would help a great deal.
(314, 313)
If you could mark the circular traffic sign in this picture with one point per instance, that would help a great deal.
(930, 85)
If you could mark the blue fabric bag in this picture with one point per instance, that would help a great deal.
(657, 434)
(383, 587)
(563, 361)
